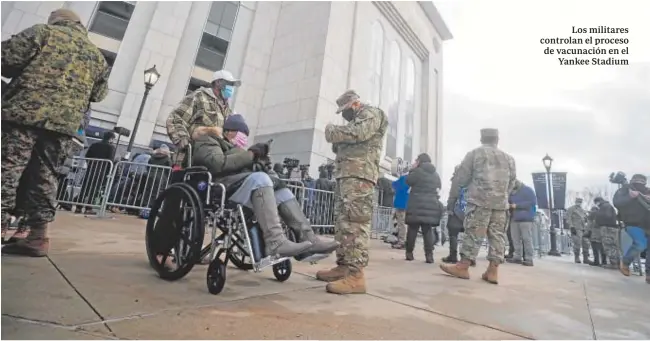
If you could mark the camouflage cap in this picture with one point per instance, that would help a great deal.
(344, 101)
(62, 14)
(489, 132)
(639, 179)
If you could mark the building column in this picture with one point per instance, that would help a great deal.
(181, 71)
(161, 37)
(84, 9)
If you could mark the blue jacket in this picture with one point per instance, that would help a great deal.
(461, 203)
(401, 193)
(526, 200)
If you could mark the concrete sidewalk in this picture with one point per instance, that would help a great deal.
(97, 284)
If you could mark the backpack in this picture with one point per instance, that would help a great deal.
(461, 204)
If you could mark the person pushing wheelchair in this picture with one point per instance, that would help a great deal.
(258, 188)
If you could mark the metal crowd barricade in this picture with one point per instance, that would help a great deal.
(135, 186)
(319, 208)
(541, 240)
(382, 221)
(85, 185)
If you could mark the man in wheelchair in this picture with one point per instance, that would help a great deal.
(258, 188)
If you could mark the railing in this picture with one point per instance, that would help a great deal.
(136, 186)
(83, 183)
(94, 184)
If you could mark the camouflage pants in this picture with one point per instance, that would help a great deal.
(579, 241)
(353, 204)
(400, 216)
(478, 222)
(610, 237)
(34, 155)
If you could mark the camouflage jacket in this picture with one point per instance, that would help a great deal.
(358, 144)
(489, 175)
(577, 217)
(200, 108)
(56, 72)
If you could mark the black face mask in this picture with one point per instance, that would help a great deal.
(638, 187)
(349, 114)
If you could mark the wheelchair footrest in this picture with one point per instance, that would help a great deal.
(268, 261)
(311, 257)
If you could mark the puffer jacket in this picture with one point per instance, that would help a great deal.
(423, 206)
(228, 164)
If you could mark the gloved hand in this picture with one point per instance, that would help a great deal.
(260, 150)
(184, 142)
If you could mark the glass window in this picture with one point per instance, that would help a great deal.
(212, 52)
(216, 35)
(409, 117)
(195, 84)
(112, 18)
(392, 98)
(229, 15)
(376, 60)
(216, 11)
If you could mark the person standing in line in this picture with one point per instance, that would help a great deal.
(522, 204)
(423, 210)
(55, 71)
(595, 238)
(357, 146)
(577, 218)
(401, 189)
(608, 223)
(455, 217)
(489, 175)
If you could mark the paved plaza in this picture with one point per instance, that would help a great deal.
(97, 284)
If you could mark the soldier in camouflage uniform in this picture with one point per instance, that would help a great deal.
(205, 107)
(358, 147)
(489, 175)
(606, 219)
(577, 218)
(56, 71)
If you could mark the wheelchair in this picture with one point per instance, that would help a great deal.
(196, 203)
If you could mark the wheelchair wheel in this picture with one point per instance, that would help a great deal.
(189, 218)
(216, 278)
(282, 271)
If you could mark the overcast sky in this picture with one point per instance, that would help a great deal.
(591, 119)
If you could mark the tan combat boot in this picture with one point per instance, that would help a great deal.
(625, 270)
(491, 275)
(353, 283)
(333, 274)
(460, 269)
(35, 245)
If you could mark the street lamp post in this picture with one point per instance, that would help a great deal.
(548, 162)
(151, 76)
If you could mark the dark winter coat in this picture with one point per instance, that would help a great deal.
(228, 164)
(606, 215)
(631, 210)
(424, 207)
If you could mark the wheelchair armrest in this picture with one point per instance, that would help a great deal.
(196, 169)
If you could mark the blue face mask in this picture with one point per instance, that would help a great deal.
(227, 91)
